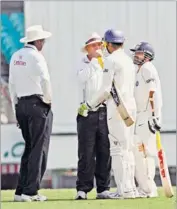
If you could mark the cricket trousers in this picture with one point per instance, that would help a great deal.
(145, 153)
(35, 119)
(93, 152)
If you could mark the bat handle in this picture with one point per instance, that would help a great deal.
(158, 141)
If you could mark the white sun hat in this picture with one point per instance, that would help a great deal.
(93, 38)
(34, 33)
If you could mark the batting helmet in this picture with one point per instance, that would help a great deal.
(114, 36)
(146, 48)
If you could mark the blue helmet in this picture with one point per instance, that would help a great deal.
(114, 36)
(146, 48)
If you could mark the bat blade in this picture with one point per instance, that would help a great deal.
(128, 120)
(163, 168)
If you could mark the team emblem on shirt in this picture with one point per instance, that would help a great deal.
(137, 83)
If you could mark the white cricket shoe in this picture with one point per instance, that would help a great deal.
(38, 197)
(81, 195)
(141, 193)
(17, 198)
(115, 195)
(129, 195)
(153, 194)
(104, 195)
(136, 193)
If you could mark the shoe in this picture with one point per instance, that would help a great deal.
(153, 194)
(115, 195)
(129, 195)
(81, 195)
(141, 193)
(38, 197)
(17, 198)
(136, 193)
(104, 195)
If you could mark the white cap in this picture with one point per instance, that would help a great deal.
(93, 38)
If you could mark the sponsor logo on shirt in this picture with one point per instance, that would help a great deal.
(19, 62)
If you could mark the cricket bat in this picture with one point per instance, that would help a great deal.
(163, 168)
(128, 120)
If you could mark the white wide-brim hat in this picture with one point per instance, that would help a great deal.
(93, 38)
(34, 33)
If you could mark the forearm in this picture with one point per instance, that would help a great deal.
(99, 98)
(105, 89)
(151, 99)
(154, 123)
(13, 97)
(47, 91)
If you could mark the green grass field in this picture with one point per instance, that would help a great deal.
(64, 199)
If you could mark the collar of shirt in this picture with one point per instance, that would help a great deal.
(118, 50)
(86, 60)
(31, 46)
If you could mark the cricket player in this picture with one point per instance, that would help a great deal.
(119, 68)
(149, 103)
(93, 143)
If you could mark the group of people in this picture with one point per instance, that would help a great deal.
(104, 141)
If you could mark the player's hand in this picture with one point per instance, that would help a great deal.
(17, 124)
(97, 53)
(83, 110)
(154, 124)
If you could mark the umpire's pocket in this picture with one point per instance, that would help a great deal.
(40, 111)
(79, 117)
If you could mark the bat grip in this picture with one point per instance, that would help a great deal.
(158, 141)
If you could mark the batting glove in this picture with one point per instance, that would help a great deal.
(83, 110)
(154, 124)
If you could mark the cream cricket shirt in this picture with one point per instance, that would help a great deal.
(147, 79)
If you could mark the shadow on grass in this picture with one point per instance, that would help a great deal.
(53, 200)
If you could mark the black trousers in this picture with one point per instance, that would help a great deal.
(35, 119)
(93, 152)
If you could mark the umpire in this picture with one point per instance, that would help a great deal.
(93, 142)
(30, 91)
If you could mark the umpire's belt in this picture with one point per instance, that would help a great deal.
(33, 96)
(102, 105)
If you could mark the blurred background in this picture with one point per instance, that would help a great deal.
(70, 23)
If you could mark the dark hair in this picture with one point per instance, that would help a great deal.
(115, 45)
(31, 43)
